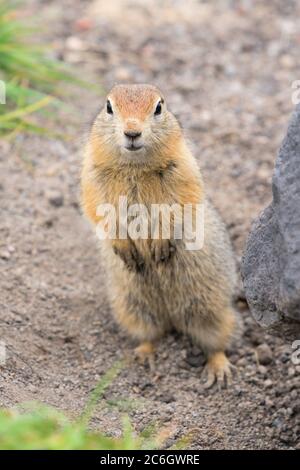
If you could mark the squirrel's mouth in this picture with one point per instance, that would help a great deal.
(134, 148)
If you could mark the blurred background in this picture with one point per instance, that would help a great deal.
(226, 69)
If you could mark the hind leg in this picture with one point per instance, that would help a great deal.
(139, 321)
(214, 335)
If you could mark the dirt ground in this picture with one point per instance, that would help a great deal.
(226, 70)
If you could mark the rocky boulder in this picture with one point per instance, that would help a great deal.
(271, 262)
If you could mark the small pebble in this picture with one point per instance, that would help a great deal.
(262, 370)
(5, 255)
(268, 383)
(55, 198)
(264, 354)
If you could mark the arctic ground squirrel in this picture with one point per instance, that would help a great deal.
(136, 152)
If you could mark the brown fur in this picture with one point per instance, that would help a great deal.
(188, 290)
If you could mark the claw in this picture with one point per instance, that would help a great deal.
(162, 250)
(131, 257)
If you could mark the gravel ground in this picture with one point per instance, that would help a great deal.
(226, 69)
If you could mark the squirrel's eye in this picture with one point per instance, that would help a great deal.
(158, 109)
(108, 107)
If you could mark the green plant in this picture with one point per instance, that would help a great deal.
(31, 78)
(37, 426)
(43, 427)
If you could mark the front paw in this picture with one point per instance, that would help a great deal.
(129, 254)
(162, 250)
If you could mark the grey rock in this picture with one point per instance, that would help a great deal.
(271, 262)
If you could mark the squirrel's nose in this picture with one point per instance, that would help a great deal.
(133, 134)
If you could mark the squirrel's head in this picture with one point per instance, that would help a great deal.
(135, 125)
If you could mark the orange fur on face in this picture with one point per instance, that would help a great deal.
(134, 102)
(132, 108)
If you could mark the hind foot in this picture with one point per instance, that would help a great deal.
(218, 369)
(145, 354)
